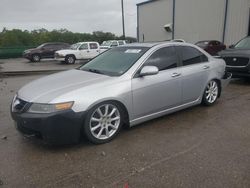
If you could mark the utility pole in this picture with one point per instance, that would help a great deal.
(123, 23)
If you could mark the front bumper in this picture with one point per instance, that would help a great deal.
(27, 56)
(56, 128)
(59, 58)
(239, 72)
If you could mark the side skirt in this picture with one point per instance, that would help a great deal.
(164, 112)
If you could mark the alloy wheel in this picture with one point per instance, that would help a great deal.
(105, 121)
(212, 92)
(71, 60)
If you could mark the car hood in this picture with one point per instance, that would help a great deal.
(46, 89)
(66, 51)
(233, 52)
(31, 50)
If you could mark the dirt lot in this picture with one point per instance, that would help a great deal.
(197, 147)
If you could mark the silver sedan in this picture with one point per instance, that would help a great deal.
(123, 86)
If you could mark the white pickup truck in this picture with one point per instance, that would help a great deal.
(78, 51)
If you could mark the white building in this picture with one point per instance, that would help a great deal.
(193, 20)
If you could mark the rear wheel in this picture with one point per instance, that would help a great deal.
(103, 122)
(35, 58)
(70, 59)
(211, 93)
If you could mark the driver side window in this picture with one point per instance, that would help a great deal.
(84, 47)
(164, 58)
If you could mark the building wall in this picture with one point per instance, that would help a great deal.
(238, 20)
(194, 20)
(152, 18)
(197, 20)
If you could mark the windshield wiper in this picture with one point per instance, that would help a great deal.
(94, 71)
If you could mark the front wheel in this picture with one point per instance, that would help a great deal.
(103, 122)
(70, 59)
(35, 58)
(211, 93)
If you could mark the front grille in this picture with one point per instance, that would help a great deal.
(20, 105)
(236, 61)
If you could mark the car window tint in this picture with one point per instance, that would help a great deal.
(93, 46)
(191, 55)
(164, 58)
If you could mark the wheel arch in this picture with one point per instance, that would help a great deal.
(121, 105)
(70, 55)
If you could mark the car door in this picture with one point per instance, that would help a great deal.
(84, 51)
(195, 72)
(47, 51)
(158, 92)
(93, 50)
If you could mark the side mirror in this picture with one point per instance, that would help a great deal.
(231, 46)
(149, 70)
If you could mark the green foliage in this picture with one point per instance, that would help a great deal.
(16, 37)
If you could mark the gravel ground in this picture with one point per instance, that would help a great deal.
(197, 147)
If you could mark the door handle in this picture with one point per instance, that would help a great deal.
(176, 74)
(206, 67)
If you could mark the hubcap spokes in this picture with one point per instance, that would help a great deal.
(104, 121)
(212, 92)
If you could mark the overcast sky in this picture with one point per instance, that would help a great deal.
(74, 15)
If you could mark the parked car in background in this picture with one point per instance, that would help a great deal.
(79, 51)
(46, 50)
(126, 85)
(112, 43)
(213, 47)
(237, 58)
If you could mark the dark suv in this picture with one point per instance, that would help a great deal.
(46, 50)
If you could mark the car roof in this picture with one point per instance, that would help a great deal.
(54, 43)
(86, 42)
(152, 44)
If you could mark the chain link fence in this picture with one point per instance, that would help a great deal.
(13, 52)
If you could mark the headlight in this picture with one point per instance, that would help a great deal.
(49, 108)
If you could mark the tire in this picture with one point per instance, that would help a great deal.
(106, 120)
(70, 59)
(36, 58)
(211, 93)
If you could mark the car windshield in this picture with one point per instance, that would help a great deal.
(106, 43)
(115, 62)
(41, 46)
(75, 46)
(243, 44)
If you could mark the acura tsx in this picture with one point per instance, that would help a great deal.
(126, 85)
